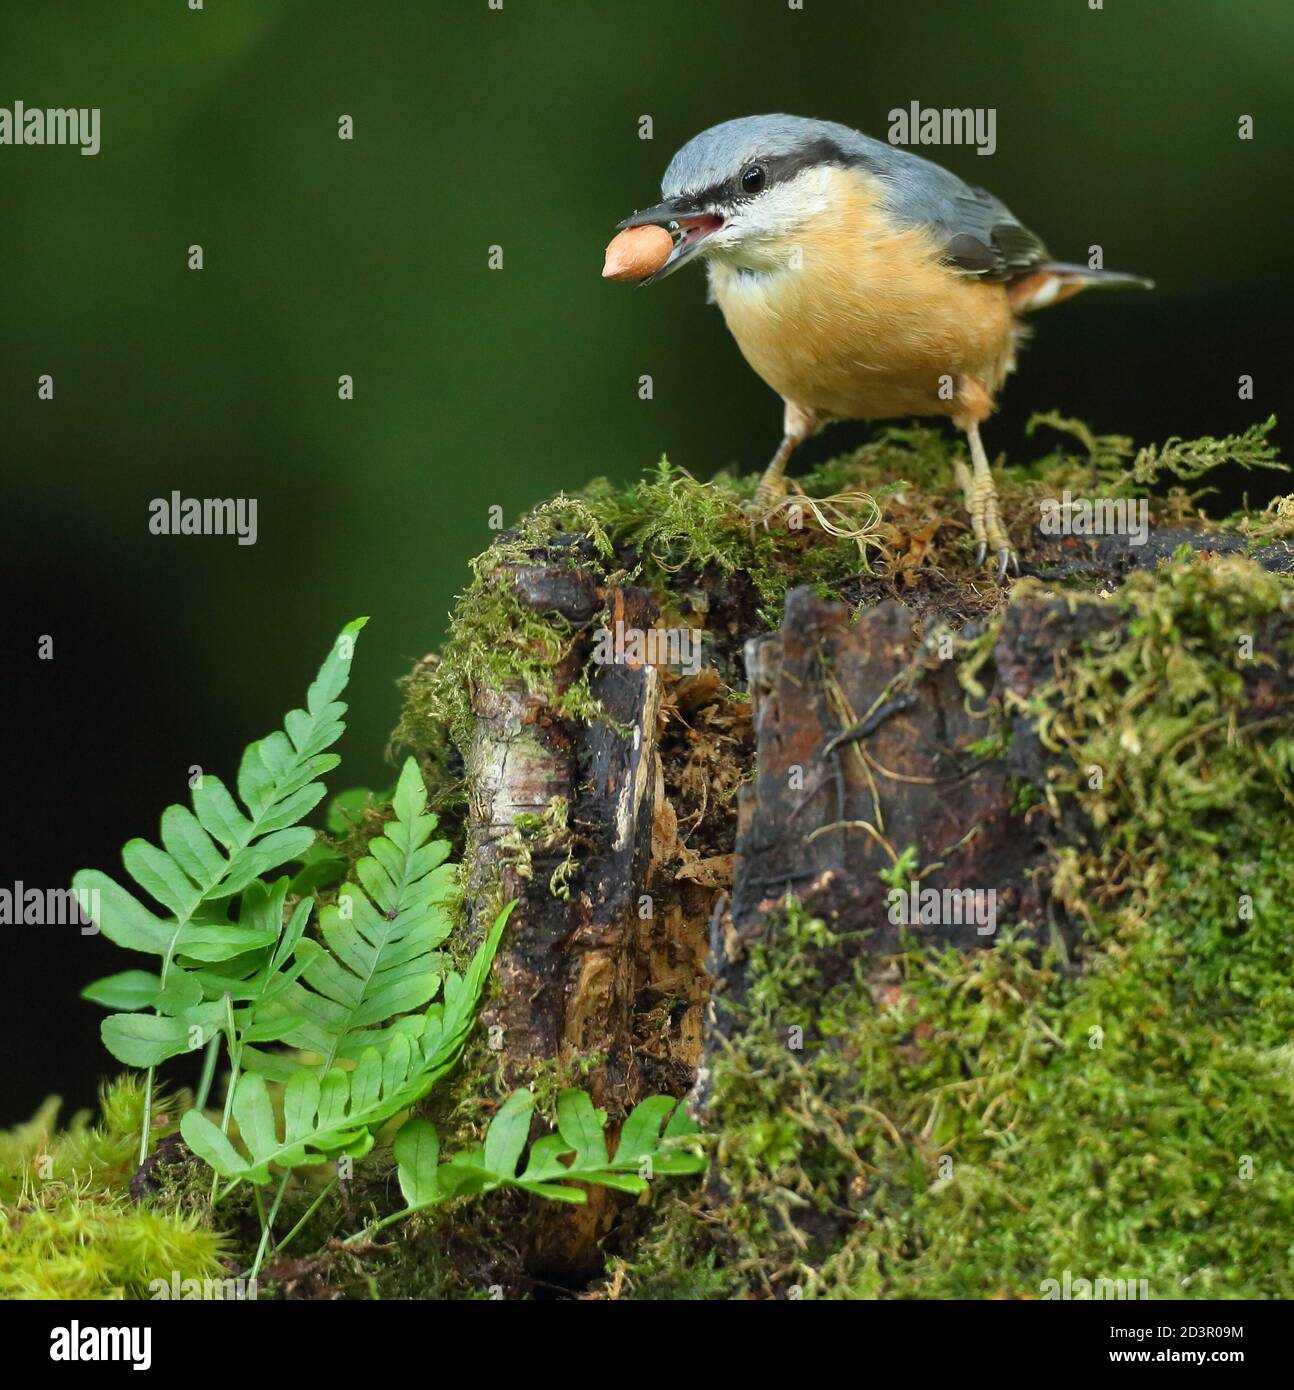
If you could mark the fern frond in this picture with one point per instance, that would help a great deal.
(576, 1153)
(379, 957)
(331, 1113)
(208, 856)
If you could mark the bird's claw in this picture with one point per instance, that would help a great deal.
(986, 525)
(1006, 559)
(767, 495)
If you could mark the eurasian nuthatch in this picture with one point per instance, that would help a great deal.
(861, 282)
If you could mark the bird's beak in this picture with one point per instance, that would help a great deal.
(690, 225)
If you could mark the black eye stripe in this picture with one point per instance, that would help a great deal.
(777, 169)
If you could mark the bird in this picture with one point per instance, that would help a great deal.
(861, 282)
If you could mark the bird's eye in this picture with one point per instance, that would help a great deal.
(752, 178)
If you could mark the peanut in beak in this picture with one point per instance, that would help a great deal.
(636, 253)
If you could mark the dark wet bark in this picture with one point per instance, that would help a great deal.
(861, 750)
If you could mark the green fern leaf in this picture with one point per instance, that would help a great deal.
(379, 957)
(327, 1114)
(577, 1153)
(508, 1132)
(640, 1134)
(144, 1040)
(417, 1152)
(209, 855)
(581, 1126)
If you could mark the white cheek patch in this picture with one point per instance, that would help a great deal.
(762, 234)
(787, 206)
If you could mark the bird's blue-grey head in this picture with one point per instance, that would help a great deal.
(741, 189)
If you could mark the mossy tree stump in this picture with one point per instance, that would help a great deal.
(860, 721)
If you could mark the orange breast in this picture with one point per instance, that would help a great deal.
(864, 323)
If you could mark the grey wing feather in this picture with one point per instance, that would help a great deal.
(981, 235)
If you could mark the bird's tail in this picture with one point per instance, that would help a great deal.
(1055, 281)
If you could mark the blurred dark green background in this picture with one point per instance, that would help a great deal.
(477, 387)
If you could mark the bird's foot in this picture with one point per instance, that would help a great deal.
(980, 496)
(767, 495)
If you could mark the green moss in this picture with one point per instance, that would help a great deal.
(1121, 467)
(674, 526)
(73, 1245)
(1026, 796)
(1165, 750)
(993, 745)
(496, 641)
(69, 1227)
(423, 729)
(546, 833)
(103, 1154)
(669, 531)
(970, 1126)
(1043, 1121)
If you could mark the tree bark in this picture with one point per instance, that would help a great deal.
(640, 881)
